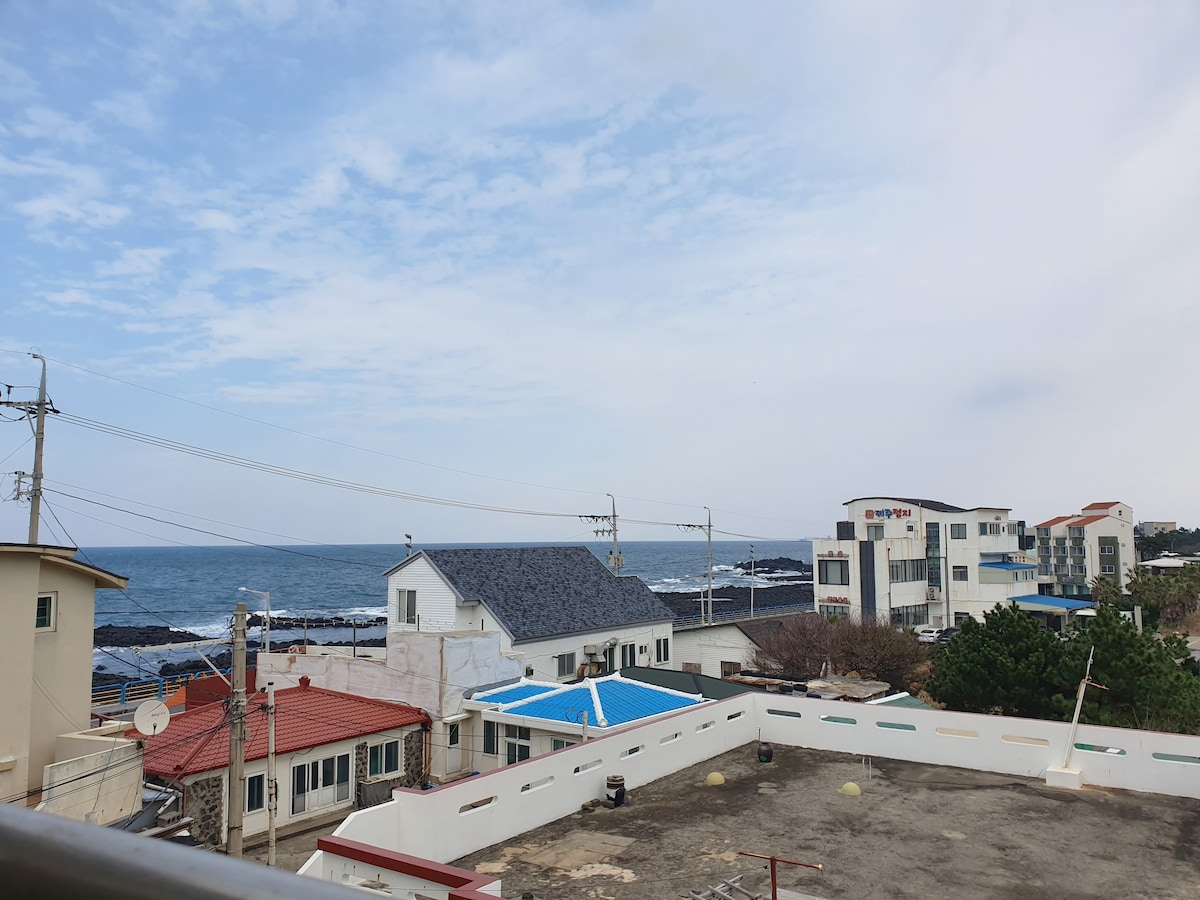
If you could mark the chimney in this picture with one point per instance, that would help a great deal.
(305, 681)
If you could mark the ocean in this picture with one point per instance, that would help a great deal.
(196, 588)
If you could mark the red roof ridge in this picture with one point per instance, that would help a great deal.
(1103, 505)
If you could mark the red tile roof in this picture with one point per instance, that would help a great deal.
(1088, 520)
(1103, 505)
(305, 716)
(1055, 521)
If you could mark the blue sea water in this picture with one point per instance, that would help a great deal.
(196, 588)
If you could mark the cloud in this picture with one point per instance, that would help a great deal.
(142, 263)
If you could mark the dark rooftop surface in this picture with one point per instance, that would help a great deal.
(917, 831)
(539, 592)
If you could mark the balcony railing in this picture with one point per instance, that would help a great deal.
(740, 615)
(150, 689)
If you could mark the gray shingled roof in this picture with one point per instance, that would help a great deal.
(541, 592)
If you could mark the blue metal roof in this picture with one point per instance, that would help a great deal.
(1007, 565)
(513, 693)
(621, 701)
(1054, 602)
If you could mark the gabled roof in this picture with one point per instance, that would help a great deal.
(607, 701)
(305, 716)
(759, 630)
(687, 682)
(1103, 505)
(1050, 523)
(541, 592)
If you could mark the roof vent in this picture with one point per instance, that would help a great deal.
(305, 681)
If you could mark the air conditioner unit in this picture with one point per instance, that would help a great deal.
(590, 650)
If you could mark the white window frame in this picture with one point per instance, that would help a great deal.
(378, 767)
(1108, 570)
(628, 655)
(566, 665)
(406, 606)
(964, 571)
(662, 650)
(261, 779)
(326, 793)
(1107, 550)
(517, 744)
(51, 598)
(833, 568)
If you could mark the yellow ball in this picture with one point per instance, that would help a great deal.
(850, 789)
(714, 779)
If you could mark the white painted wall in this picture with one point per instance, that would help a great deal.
(710, 646)
(96, 771)
(339, 869)
(436, 603)
(468, 815)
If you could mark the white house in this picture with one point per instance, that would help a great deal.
(724, 649)
(333, 751)
(1073, 550)
(559, 608)
(528, 718)
(922, 562)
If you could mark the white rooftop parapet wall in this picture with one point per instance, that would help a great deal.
(468, 815)
(1148, 761)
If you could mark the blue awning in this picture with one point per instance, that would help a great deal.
(1044, 602)
(1007, 565)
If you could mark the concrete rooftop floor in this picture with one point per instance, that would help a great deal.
(917, 831)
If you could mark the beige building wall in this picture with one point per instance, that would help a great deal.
(19, 574)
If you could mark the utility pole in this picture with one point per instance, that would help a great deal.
(272, 784)
(609, 526)
(38, 410)
(708, 531)
(752, 581)
(237, 734)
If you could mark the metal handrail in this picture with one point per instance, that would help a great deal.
(740, 615)
(148, 689)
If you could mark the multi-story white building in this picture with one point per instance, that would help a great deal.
(922, 562)
(1073, 550)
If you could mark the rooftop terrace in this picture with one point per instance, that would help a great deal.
(916, 831)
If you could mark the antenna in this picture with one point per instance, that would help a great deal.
(151, 718)
(408, 543)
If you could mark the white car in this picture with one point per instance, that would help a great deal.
(928, 635)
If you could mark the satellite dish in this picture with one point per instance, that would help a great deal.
(151, 717)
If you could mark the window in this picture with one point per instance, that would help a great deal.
(901, 570)
(1107, 549)
(516, 744)
(1108, 570)
(45, 613)
(910, 616)
(959, 618)
(959, 573)
(730, 668)
(454, 735)
(933, 572)
(693, 668)
(560, 744)
(566, 664)
(833, 571)
(1045, 569)
(830, 610)
(383, 759)
(874, 532)
(256, 793)
(662, 650)
(320, 783)
(406, 607)
(628, 657)
(1075, 531)
(489, 738)
(986, 528)
(610, 660)
(1012, 527)
(1078, 570)
(958, 531)
(1043, 533)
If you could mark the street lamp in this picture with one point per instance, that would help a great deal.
(266, 595)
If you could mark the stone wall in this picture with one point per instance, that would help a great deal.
(204, 801)
(372, 793)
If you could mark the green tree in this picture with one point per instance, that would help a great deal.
(1151, 681)
(1007, 664)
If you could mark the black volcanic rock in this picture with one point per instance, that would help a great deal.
(768, 567)
(733, 599)
(139, 636)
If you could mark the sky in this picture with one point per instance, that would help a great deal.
(761, 258)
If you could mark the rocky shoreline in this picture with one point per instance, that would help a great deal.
(736, 599)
